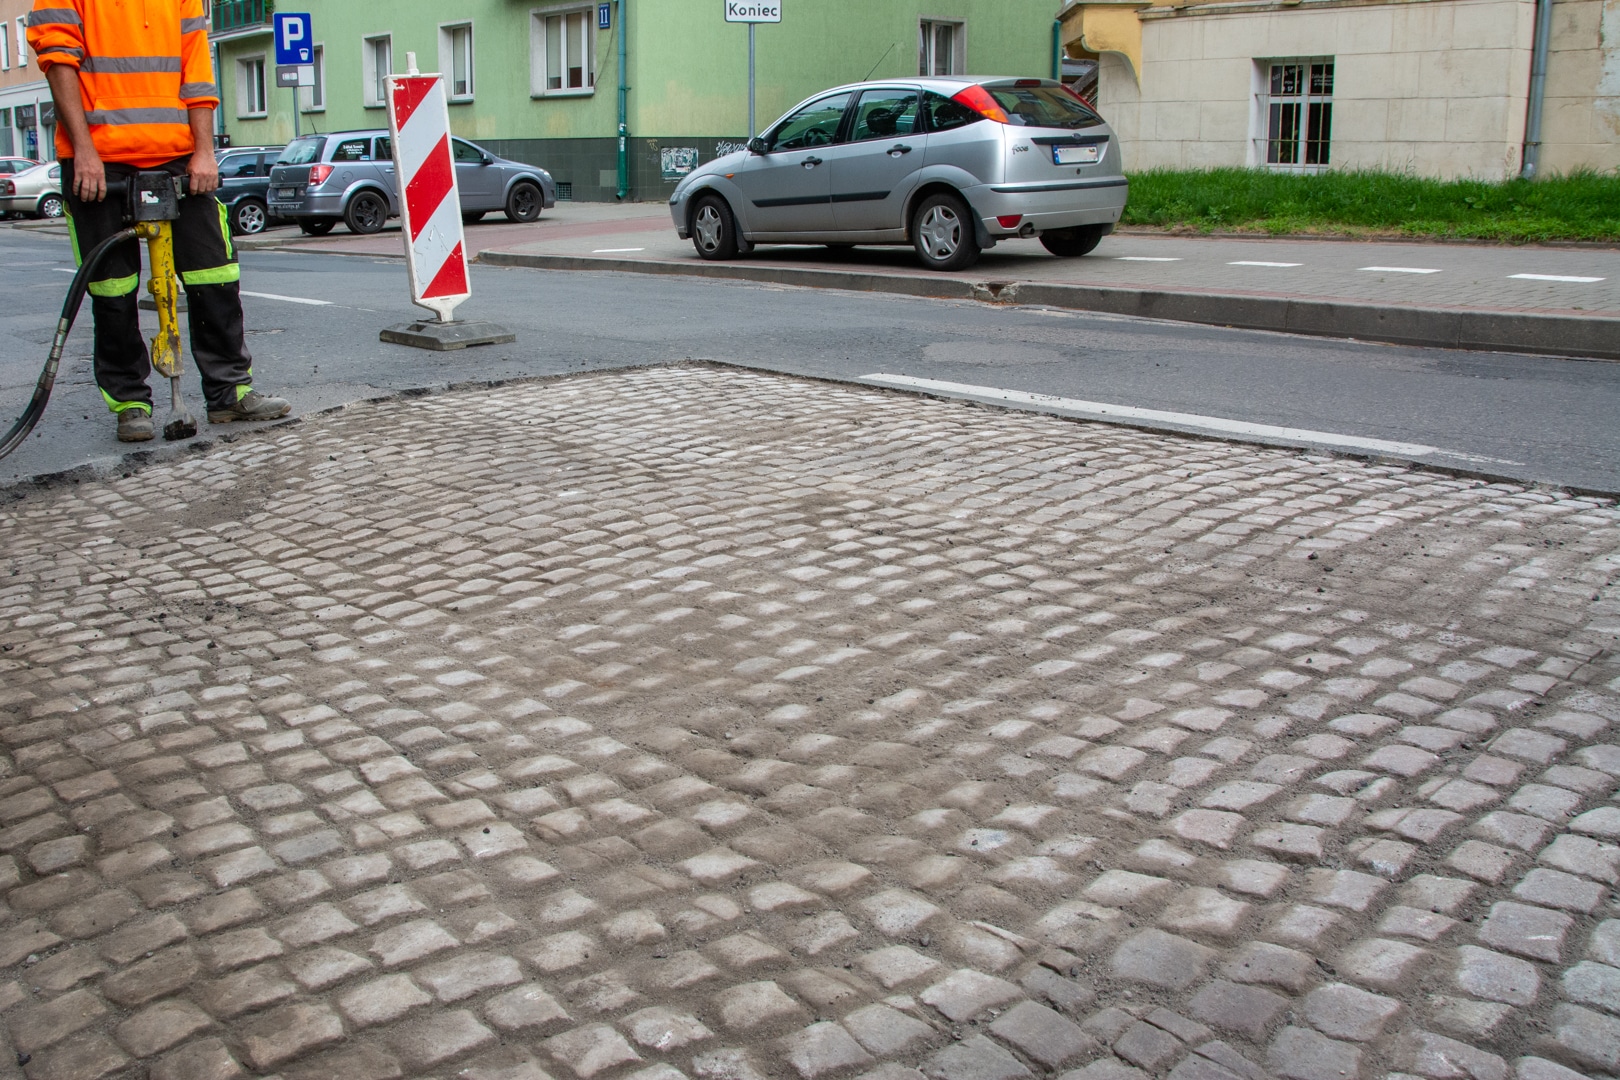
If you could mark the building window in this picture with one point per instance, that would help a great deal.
(22, 43)
(1296, 113)
(941, 48)
(5, 46)
(314, 97)
(562, 59)
(379, 64)
(456, 59)
(250, 99)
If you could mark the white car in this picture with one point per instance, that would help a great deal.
(35, 192)
(948, 165)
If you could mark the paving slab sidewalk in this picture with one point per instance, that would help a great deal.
(1541, 299)
(690, 722)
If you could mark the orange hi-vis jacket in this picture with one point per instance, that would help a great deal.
(142, 64)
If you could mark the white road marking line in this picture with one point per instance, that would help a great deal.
(1097, 410)
(1557, 277)
(1143, 258)
(288, 299)
(1246, 263)
(615, 251)
(1398, 270)
(63, 270)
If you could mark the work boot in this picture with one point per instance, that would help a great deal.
(250, 406)
(134, 425)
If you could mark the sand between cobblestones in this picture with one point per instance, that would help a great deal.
(695, 722)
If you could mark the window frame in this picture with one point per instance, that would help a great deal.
(373, 91)
(315, 100)
(5, 46)
(447, 58)
(245, 88)
(927, 41)
(539, 69)
(1314, 116)
(22, 44)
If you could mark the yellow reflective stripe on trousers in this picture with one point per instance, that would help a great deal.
(73, 235)
(225, 229)
(116, 286)
(119, 406)
(219, 275)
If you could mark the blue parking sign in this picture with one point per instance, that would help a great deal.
(604, 16)
(295, 38)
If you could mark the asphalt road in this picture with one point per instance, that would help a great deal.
(1531, 418)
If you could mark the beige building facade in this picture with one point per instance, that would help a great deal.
(1434, 87)
(26, 115)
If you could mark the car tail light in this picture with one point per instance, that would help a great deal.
(7, 187)
(318, 174)
(979, 100)
(1009, 221)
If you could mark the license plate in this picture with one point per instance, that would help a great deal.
(287, 193)
(1077, 155)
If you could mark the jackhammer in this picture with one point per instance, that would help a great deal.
(151, 206)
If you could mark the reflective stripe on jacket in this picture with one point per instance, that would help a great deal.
(142, 65)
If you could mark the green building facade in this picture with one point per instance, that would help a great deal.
(537, 80)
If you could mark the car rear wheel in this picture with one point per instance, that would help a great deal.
(50, 206)
(942, 233)
(524, 203)
(1072, 243)
(249, 217)
(317, 226)
(714, 228)
(367, 213)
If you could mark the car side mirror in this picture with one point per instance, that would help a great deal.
(486, 160)
(758, 145)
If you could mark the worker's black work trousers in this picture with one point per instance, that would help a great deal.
(206, 262)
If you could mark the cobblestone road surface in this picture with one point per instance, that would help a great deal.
(697, 722)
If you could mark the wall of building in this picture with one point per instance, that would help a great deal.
(20, 84)
(688, 71)
(1581, 122)
(1436, 87)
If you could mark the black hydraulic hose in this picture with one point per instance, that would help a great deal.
(70, 311)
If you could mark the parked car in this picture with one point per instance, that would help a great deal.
(35, 192)
(320, 180)
(244, 185)
(9, 165)
(948, 165)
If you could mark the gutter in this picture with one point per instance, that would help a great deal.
(624, 102)
(1538, 90)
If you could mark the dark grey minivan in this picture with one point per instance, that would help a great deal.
(320, 180)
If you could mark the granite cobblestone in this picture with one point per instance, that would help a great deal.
(695, 723)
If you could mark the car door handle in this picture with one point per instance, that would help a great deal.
(811, 162)
(899, 148)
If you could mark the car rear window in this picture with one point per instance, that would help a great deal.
(1043, 106)
(302, 151)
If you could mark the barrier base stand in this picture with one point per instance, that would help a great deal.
(446, 337)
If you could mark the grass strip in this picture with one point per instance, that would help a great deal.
(1577, 206)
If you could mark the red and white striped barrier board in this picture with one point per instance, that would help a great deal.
(430, 203)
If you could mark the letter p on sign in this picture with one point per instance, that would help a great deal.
(294, 38)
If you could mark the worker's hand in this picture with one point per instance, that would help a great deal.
(89, 176)
(203, 171)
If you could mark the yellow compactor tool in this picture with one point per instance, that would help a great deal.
(159, 237)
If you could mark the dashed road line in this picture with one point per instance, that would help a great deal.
(1399, 270)
(288, 299)
(615, 251)
(1247, 262)
(1556, 277)
(1143, 258)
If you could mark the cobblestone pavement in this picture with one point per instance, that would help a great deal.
(696, 722)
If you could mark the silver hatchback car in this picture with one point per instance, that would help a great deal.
(948, 165)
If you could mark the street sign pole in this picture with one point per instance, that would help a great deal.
(753, 12)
